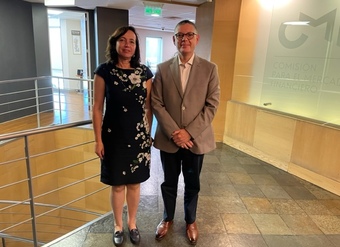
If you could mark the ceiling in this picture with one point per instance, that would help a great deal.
(173, 11)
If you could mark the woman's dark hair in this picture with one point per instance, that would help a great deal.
(111, 52)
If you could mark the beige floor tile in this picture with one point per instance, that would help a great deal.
(271, 224)
(98, 239)
(239, 224)
(329, 224)
(299, 193)
(224, 190)
(231, 205)
(320, 193)
(332, 205)
(247, 240)
(315, 241)
(211, 177)
(273, 191)
(208, 204)
(258, 205)
(286, 206)
(313, 207)
(282, 241)
(210, 223)
(264, 179)
(248, 190)
(301, 224)
(240, 178)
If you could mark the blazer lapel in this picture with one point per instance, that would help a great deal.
(193, 73)
(174, 68)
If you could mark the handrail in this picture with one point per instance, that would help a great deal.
(30, 201)
(7, 236)
(25, 79)
(51, 206)
(23, 133)
(44, 77)
(40, 96)
(26, 215)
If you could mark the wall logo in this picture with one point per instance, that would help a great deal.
(328, 18)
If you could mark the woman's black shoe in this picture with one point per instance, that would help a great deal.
(118, 238)
(134, 236)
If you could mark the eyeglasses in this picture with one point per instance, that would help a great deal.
(189, 35)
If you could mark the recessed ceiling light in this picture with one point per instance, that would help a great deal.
(54, 12)
(59, 2)
(297, 23)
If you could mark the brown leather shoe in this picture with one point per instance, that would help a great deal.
(192, 233)
(162, 229)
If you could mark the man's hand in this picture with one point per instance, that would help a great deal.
(182, 139)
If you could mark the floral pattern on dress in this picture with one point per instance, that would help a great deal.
(137, 79)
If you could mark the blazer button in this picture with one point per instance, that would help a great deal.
(183, 108)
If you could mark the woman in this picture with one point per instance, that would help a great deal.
(122, 138)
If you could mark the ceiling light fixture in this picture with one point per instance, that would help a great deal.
(59, 2)
(297, 23)
(54, 12)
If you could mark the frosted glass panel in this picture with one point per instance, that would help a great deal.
(296, 66)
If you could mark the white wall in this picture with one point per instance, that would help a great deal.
(169, 49)
(71, 61)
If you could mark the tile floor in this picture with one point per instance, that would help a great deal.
(243, 202)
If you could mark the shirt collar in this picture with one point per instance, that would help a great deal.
(189, 62)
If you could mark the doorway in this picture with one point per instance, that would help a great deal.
(69, 42)
(68, 48)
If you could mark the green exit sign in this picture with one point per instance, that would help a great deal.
(153, 11)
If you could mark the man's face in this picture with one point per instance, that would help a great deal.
(186, 39)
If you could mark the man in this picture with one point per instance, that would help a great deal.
(184, 97)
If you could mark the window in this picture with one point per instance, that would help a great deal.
(154, 51)
(55, 50)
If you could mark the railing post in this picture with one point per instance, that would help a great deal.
(3, 242)
(59, 96)
(30, 191)
(37, 101)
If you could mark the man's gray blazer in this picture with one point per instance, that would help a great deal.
(193, 110)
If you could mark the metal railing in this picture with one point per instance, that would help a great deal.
(34, 207)
(49, 174)
(39, 97)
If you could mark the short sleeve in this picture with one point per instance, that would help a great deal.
(101, 70)
(149, 73)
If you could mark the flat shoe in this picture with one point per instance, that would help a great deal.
(118, 238)
(134, 236)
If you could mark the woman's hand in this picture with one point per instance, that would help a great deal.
(99, 149)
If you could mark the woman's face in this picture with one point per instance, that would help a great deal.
(126, 45)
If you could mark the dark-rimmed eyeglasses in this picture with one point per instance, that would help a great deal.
(189, 35)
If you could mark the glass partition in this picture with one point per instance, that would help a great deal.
(295, 61)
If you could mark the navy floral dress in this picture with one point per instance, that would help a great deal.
(125, 129)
